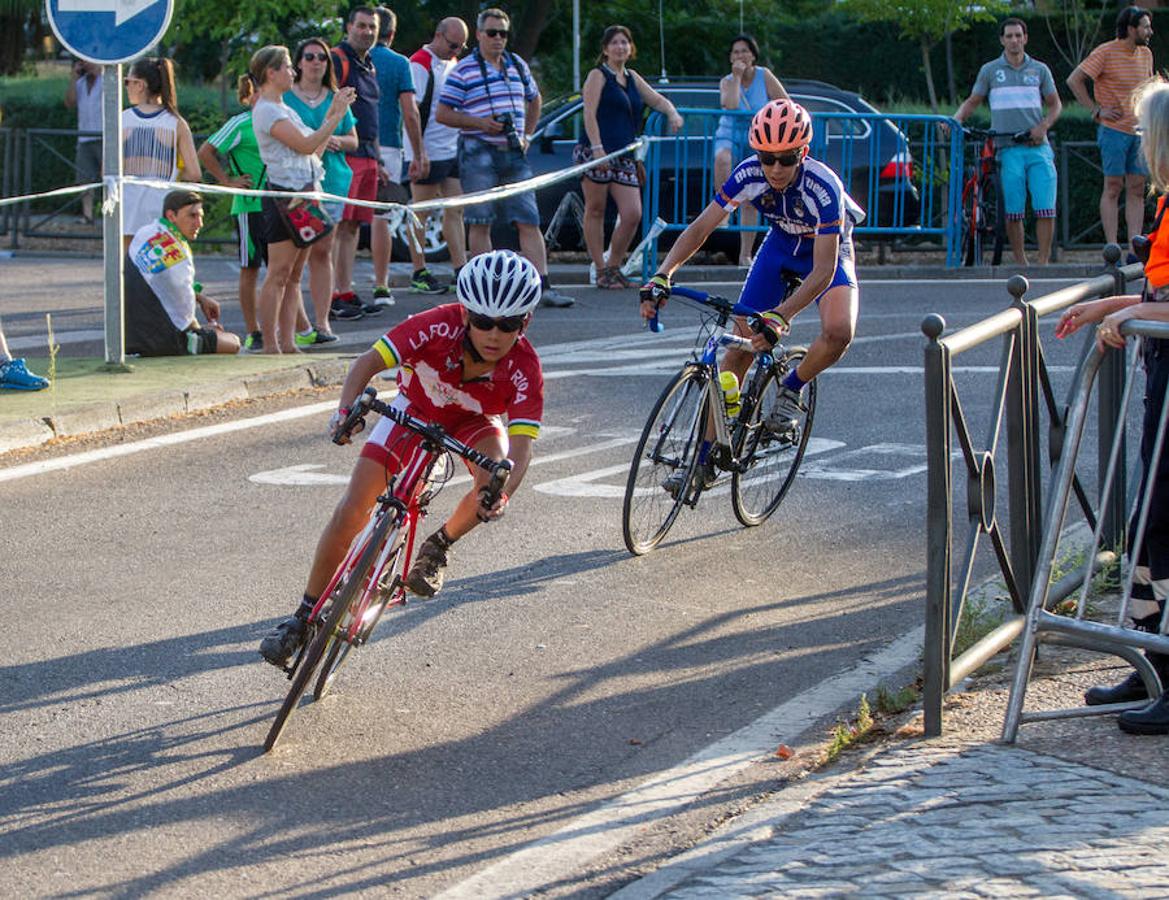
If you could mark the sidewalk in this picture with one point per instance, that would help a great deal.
(84, 398)
(1075, 808)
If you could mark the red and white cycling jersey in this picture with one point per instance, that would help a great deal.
(428, 350)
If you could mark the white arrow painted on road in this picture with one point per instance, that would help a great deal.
(123, 10)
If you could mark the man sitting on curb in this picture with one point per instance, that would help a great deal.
(14, 376)
(161, 290)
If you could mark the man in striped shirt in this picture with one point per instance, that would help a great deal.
(1116, 70)
(1023, 102)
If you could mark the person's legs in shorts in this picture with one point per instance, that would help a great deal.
(440, 182)
(1135, 173)
(1041, 185)
(521, 210)
(1113, 163)
(478, 172)
(253, 253)
(1013, 177)
(88, 171)
(362, 187)
(381, 241)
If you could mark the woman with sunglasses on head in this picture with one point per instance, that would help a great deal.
(313, 89)
(156, 142)
(811, 218)
(463, 366)
(289, 149)
(613, 97)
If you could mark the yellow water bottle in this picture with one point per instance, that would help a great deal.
(730, 385)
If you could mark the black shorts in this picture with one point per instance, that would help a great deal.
(273, 230)
(253, 249)
(440, 170)
(150, 331)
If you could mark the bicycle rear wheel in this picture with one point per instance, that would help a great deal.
(343, 596)
(662, 473)
(993, 219)
(339, 648)
(757, 491)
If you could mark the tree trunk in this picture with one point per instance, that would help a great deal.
(929, 75)
(12, 44)
(535, 17)
(951, 80)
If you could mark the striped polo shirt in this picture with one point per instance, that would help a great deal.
(505, 90)
(1015, 95)
(1117, 70)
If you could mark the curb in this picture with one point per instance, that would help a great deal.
(91, 418)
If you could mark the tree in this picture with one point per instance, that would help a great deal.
(1080, 26)
(927, 22)
(15, 17)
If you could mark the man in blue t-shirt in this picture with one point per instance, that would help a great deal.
(396, 108)
(1022, 98)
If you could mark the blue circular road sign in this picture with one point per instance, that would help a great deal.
(109, 31)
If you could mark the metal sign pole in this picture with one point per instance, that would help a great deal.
(111, 99)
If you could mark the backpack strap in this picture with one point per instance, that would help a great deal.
(340, 66)
(427, 100)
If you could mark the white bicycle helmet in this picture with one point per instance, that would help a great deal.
(499, 283)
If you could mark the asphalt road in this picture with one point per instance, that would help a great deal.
(553, 675)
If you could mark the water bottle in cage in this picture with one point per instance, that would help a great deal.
(730, 386)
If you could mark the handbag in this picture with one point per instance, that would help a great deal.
(305, 220)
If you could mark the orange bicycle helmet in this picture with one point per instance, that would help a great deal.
(780, 125)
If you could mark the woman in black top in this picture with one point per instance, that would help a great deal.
(613, 98)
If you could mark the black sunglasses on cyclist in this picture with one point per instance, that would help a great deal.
(496, 32)
(318, 57)
(787, 160)
(508, 324)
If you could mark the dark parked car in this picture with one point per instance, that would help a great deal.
(846, 145)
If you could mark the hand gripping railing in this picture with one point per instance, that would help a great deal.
(1023, 392)
(1039, 622)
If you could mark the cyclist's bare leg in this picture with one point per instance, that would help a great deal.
(366, 483)
(838, 310)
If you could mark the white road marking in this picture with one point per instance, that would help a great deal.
(303, 474)
(165, 440)
(555, 858)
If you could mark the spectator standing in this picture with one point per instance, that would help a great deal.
(430, 67)
(161, 291)
(396, 110)
(1151, 575)
(236, 143)
(613, 97)
(1116, 69)
(748, 87)
(156, 141)
(354, 69)
(491, 97)
(84, 95)
(1022, 98)
(14, 374)
(289, 150)
(313, 89)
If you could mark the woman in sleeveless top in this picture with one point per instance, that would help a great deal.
(613, 97)
(749, 87)
(156, 142)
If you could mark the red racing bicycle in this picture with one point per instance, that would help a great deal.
(371, 577)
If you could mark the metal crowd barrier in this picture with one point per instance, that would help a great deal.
(1022, 395)
(897, 167)
(1040, 623)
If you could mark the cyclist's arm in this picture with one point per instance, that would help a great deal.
(693, 237)
(825, 254)
(520, 453)
(361, 372)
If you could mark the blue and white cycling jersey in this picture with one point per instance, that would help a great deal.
(815, 203)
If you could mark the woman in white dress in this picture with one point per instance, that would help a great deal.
(156, 142)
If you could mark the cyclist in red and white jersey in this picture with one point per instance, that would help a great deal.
(463, 366)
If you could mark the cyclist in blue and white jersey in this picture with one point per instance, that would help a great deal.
(811, 218)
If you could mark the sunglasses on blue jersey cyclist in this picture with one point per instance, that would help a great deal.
(787, 159)
(506, 324)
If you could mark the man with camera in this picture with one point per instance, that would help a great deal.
(1024, 104)
(491, 98)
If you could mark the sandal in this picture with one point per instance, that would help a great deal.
(605, 280)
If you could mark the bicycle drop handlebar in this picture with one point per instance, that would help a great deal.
(368, 402)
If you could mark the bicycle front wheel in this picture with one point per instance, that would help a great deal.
(344, 595)
(771, 461)
(662, 474)
(388, 584)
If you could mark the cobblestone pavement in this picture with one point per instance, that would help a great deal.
(961, 820)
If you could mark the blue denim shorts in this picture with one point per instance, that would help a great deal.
(1028, 169)
(1120, 152)
(483, 166)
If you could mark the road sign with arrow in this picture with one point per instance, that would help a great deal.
(109, 31)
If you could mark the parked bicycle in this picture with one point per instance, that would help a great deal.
(983, 218)
(371, 577)
(693, 410)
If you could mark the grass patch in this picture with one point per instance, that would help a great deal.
(846, 734)
(981, 614)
